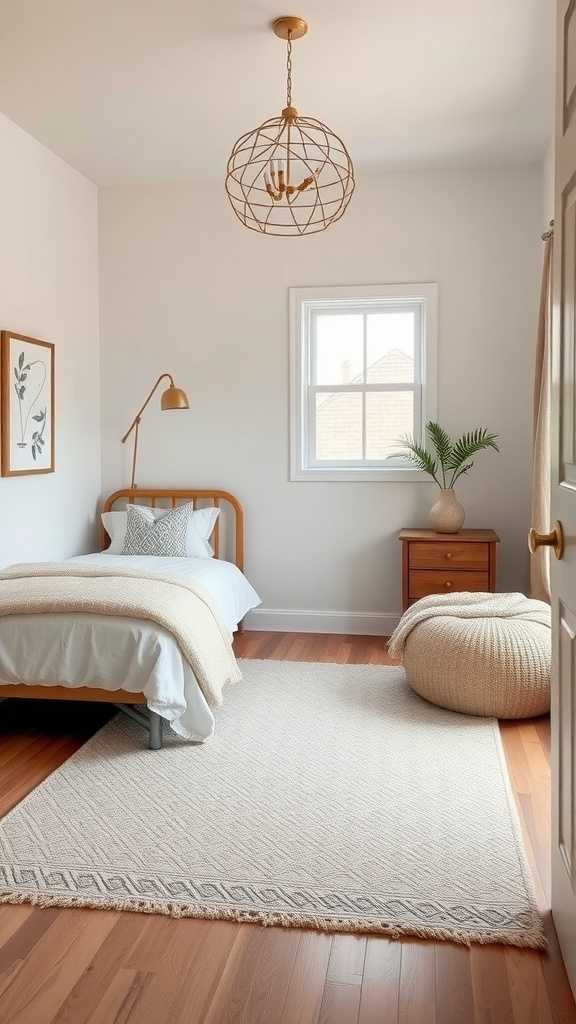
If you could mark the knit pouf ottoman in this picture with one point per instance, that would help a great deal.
(474, 660)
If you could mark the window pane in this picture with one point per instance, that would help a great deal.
(338, 426)
(389, 415)
(339, 349)
(390, 347)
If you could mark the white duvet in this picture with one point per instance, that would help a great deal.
(116, 653)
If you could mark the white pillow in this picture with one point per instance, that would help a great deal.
(200, 526)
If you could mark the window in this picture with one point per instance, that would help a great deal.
(363, 373)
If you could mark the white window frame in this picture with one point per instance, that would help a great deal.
(304, 303)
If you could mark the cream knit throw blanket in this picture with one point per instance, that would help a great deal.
(467, 606)
(184, 609)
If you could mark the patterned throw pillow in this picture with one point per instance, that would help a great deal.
(146, 535)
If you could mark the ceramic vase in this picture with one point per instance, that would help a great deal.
(447, 514)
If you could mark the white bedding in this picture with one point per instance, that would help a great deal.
(113, 653)
(231, 592)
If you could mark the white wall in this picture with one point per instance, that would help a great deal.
(49, 290)
(185, 288)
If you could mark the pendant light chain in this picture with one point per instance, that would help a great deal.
(289, 71)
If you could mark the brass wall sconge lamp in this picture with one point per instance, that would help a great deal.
(172, 398)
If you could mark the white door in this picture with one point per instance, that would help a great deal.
(563, 510)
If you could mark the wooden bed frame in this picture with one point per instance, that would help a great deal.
(161, 497)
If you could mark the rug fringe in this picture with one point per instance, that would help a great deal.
(527, 938)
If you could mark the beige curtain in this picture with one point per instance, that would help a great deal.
(540, 562)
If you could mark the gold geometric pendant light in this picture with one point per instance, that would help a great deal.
(292, 175)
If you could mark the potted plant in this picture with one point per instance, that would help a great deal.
(447, 461)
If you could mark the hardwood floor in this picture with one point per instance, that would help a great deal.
(100, 967)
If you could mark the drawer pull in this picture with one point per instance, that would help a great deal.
(448, 555)
(448, 584)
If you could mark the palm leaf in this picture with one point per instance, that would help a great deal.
(420, 458)
(461, 472)
(440, 439)
(442, 443)
(467, 446)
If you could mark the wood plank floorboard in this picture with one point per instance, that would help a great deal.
(101, 967)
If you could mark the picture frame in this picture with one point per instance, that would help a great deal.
(27, 389)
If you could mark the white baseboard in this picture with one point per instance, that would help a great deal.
(290, 620)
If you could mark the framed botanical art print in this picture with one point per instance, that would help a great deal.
(27, 397)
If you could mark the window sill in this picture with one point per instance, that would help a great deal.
(358, 476)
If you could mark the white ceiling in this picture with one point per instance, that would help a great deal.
(155, 90)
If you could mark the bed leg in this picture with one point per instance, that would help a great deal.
(155, 729)
(148, 720)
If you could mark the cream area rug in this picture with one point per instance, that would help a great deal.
(331, 797)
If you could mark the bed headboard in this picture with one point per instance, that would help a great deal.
(232, 513)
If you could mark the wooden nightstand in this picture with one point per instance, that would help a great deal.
(436, 563)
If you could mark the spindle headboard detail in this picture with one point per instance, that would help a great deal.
(169, 498)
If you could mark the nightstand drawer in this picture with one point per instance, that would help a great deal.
(450, 553)
(429, 581)
(444, 563)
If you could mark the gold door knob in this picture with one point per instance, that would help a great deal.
(554, 539)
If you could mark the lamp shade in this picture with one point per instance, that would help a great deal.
(174, 398)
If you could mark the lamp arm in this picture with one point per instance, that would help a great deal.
(138, 415)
